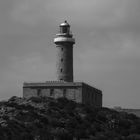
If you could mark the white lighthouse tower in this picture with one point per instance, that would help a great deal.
(64, 43)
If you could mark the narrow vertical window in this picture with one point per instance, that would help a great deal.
(51, 92)
(61, 49)
(64, 93)
(61, 70)
(38, 92)
(61, 59)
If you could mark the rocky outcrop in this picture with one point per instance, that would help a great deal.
(61, 119)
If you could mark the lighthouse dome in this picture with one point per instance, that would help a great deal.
(65, 23)
(64, 34)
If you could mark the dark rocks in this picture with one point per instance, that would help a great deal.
(47, 119)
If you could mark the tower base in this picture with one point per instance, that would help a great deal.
(77, 91)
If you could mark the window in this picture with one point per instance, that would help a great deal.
(51, 92)
(61, 49)
(61, 70)
(64, 93)
(38, 92)
(61, 59)
(64, 30)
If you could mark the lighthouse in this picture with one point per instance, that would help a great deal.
(64, 86)
(64, 43)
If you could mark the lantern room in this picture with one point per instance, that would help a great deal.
(64, 28)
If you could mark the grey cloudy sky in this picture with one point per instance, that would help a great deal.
(106, 54)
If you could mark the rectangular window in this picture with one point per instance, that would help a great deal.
(51, 92)
(64, 92)
(38, 92)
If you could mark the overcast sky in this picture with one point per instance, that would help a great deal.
(106, 53)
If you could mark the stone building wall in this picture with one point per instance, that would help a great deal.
(72, 93)
(91, 95)
(76, 91)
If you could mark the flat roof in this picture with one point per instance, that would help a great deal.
(51, 83)
(56, 84)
